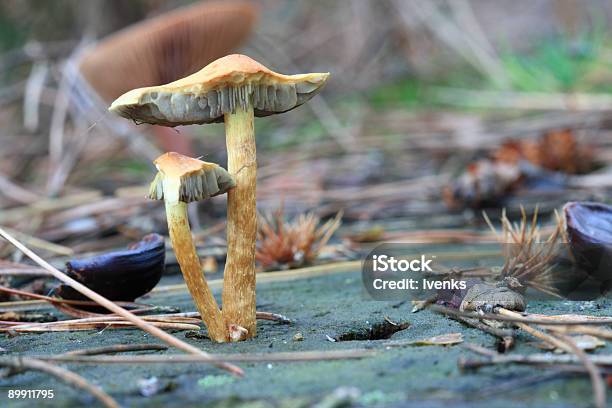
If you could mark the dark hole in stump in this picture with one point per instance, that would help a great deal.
(377, 331)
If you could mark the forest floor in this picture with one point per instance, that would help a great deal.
(322, 307)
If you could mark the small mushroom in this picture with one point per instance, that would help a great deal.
(119, 275)
(233, 89)
(181, 180)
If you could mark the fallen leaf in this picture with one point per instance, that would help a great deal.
(587, 342)
(441, 340)
(599, 332)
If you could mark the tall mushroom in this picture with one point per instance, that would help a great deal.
(232, 89)
(181, 180)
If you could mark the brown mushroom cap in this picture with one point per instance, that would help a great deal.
(199, 180)
(167, 47)
(220, 87)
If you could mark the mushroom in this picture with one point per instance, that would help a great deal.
(181, 180)
(165, 48)
(233, 89)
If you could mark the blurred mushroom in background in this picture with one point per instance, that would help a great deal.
(165, 48)
(535, 165)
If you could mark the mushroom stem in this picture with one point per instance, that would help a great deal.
(187, 257)
(239, 276)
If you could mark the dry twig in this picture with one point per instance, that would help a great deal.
(506, 336)
(234, 357)
(174, 321)
(566, 344)
(117, 348)
(588, 320)
(553, 341)
(543, 359)
(599, 389)
(102, 325)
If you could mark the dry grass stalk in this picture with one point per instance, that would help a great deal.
(599, 388)
(292, 244)
(553, 341)
(174, 321)
(63, 305)
(192, 318)
(600, 332)
(278, 357)
(102, 325)
(539, 359)
(525, 318)
(117, 348)
(504, 335)
(543, 359)
(21, 270)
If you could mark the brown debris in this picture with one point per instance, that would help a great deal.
(292, 244)
(557, 150)
(448, 339)
(487, 182)
(484, 184)
(529, 258)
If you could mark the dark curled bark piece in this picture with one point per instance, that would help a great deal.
(589, 233)
(120, 275)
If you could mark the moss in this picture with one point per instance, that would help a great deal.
(215, 381)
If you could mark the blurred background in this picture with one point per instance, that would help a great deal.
(434, 111)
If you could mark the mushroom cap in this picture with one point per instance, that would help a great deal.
(219, 88)
(167, 47)
(198, 180)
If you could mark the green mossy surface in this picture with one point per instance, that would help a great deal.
(321, 306)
